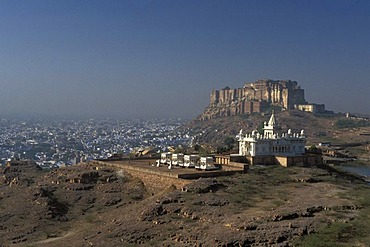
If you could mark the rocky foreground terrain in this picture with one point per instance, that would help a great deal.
(90, 205)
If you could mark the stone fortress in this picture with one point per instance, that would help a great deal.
(257, 97)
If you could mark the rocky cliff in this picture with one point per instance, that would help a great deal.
(253, 97)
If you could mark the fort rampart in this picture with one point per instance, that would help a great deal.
(254, 97)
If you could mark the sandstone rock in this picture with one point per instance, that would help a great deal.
(204, 185)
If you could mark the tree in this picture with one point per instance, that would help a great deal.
(229, 142)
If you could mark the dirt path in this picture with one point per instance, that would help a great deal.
(50, 240)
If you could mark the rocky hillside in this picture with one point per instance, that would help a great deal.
(37, 204)
(90, 205)
(317, 127)
(215, 131)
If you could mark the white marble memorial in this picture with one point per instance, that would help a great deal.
(272, 142)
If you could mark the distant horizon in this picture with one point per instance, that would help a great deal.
(88, 117)
(102, 115)
(144, 58)
(121, 117)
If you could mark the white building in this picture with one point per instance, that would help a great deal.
(191, 160)
(166, 158)
(271, 142)
(314, 108)
(206, 163)
(178, 159)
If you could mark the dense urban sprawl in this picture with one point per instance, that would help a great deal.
(54, 143)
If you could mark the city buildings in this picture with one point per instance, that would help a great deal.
(60, 142)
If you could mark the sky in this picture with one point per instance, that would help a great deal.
(143, 58)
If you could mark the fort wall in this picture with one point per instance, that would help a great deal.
(254, 97)
(156, 179)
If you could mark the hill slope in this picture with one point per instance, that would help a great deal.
(317, 128)
(89, 205)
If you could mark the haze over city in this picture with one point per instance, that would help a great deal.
(162, 58)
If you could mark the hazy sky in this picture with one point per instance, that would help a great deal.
(162, 58)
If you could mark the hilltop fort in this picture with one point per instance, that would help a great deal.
(257, 97)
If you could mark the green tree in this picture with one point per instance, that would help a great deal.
(229, 142)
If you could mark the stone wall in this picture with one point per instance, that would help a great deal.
(286, 161)
(156, 183)
(253, 97)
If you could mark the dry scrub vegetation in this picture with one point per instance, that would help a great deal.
(275, 206)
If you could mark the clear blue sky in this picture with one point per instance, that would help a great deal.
(147, 58)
